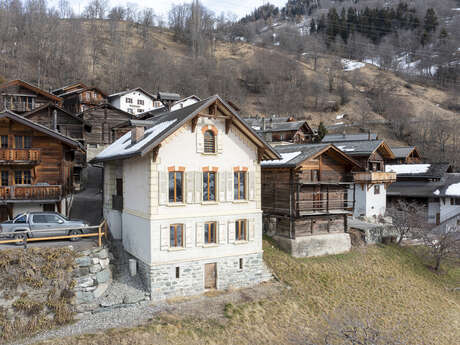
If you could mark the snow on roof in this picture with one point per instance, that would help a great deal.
(408, 168)
(453, 190)
(123, 145)
(344, 149)
(340, 117)
(285, 157)
(183, 103)
(350, 65)
(436, 192)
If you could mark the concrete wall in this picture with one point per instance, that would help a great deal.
(434, 207)
(448, 210)
(369, 204)
(316, 245)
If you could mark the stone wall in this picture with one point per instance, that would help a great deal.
(161, 280)
(92, 276)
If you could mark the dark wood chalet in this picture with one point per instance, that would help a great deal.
(21, 97)
(36, 167)
(307, 192)
(79, 97)
(405, 155)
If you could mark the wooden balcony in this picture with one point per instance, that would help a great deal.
(30, 192)
(19, 156)
(334, 203)
(368, 177)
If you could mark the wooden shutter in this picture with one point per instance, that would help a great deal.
(252, 229)
(164, 237)
(199, 233)
(188, 235)
(199, 141)
(221, 178)
(222, 232)
(198, 186)
(231, 231)
(251, 185)
(189, 186)
(220, 145)
(163, 187)
(229, 185)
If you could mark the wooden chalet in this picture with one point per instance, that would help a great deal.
(21, 97)
(79, 97)
(36, 167)
(405, 155)
(307, 192)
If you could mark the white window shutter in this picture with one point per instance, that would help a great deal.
(220, 145)
(164, 237)
(252, 229)
(198, 186)
(199, 141)
(231, 232)
(251, 185)
(163, 187)
(222, 233)
(188, 235)
(221, 177)
(189, 186)
(199, 233)
(229, 186)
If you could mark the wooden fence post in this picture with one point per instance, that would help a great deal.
(99, 229)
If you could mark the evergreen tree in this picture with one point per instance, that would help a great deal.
(431, 20)
(443, 35)
(322, 131)
(343, 29)
(312, 27)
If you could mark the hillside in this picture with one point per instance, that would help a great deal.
(387, 291)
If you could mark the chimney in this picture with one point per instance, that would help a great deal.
(54, 120)
(369, 135)
(137, 133)
(263, 123)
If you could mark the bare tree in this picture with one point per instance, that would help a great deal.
(407, 218)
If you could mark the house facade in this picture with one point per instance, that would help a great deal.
(78, 97)
(36, 167)
(135, 101)
(183, 195)
(305, 199)
(405, 155)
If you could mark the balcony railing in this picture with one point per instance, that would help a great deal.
(374, 177)
(325, 203)
(30, 192)
(19, 156)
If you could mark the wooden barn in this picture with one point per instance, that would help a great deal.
(405, 155)
(78, 97)
(306, 199)
(36, 167)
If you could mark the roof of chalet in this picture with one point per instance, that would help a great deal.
(162, 126)
(15, 117)
(284, 126)
(175, 106)
(404, 151)
(332, 138)
(69, 86)
(451, 186)
(83, 89)
(364, 147)
(428, 171)
(295, 154)
(106, 105)
(168, 96)
(51, 105)
(31, 87)
(121, 93)
(258, 121)
(448, 186)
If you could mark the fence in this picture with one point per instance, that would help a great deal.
(24, 236)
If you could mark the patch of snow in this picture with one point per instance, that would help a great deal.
(303, 54)
(340, 117)
(285, 157)
(257, 128)
(276, 43)
(408, 168)
(123, 145)
(453, 190)
(436, 192)
(183, 104)
(339, 123)
(344, 149)
(350, 65)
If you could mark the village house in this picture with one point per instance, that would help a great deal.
(305, 199)
(182, 192)
(135, 101)
(36, 167)
(21, 97)
(343, 137)
(78, 97)
(405, 155)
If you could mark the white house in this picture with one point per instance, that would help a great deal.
(184, 195)
(135, 101)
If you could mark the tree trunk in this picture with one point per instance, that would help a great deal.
(438, 263)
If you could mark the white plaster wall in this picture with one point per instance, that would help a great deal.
(376, 203)
(136, 174)
(433, 208)
(136, 236)
(120, 102)
(448, 210)
(360, 200)
(114, 221)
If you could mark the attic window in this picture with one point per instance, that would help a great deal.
(209, 142)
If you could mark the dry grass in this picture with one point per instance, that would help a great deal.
(389, 286)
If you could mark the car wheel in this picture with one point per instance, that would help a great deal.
(75, 232)
(19, 236)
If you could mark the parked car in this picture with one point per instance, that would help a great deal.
(26, 223)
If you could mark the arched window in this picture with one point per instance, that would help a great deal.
(209, 142)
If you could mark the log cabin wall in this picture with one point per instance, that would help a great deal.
(276, 191)
(20, 99)
(102, 119)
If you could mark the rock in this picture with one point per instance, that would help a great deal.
(82, 316)
(80, 272)
(101, 288)
(84, 297)
(85, 282)
(104, 263)
(103, 254)
(83, 261)
(90, 288)
(83, 308)
(133, 298)
(103, 276)
(95, 261)
(95, 268)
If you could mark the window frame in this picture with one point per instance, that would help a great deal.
(4, 174)
(376, 189)
(21, 174)
(128, 100)
(22, 142)
(207, 145)
(175, 227)
(140, 102)
(175, 196)
(237, 180)
(211, 226)
(238, 230)
(207, 192)
(4, 141)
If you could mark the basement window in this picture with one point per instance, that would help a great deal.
(177, 272)
(241, 263)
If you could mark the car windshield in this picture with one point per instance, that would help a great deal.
(21, 218)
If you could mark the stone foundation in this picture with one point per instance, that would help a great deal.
(162, 283)
(315, 245)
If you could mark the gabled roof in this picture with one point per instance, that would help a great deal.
(450, 187)
(417, 171)
(175, 106)
(26, 122)
(53, 106)
(168, 96)
(31, 87)
(106, 105)
(285, 126)
(365, 148)
(77, 91)
(66, 87)
(121, 93)
(162, 126)
(331, 138)
(404, 151)
(295, 154)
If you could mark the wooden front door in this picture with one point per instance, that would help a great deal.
(438, 218)
(210, 276)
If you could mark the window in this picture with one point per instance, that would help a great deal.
(176, 235)
(140, 110)
(209, 186)
(455, 201)
(241, 263)
(209, 142)
(140, 101)
(22, 142)
(239, 185)
(40, 218)
(241, 230)
(376, 189)
(22, 177)
(130, 111)
(176, 186)
(21, 219)
(177, 272)
(4, 178)
(129, 100)
(4, 141)
(210, 232)
(87, 96)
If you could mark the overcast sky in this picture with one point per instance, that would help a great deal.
(238, 7)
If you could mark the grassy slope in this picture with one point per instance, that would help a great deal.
(387, 285)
